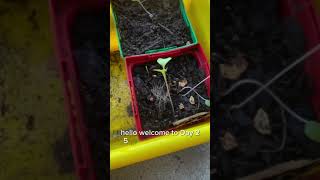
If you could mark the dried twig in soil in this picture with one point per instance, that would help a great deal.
(191, 119)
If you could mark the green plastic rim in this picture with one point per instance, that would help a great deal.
(152, 51)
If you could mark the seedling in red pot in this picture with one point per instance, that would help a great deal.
(163, 62)
(157, 100)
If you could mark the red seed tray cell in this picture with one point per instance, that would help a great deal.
(305, 13)
(63, 13)
(195, 50)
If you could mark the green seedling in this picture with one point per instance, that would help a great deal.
(196, 85)
(311, 128)
(206, 101)
(151, 16)
(163, 62)
(139, 1)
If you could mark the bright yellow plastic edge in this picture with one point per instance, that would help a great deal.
(159, 146)
(199, 14)
(317, 3)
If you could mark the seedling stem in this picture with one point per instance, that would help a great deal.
(206, 101)
(139, 1)
(276, 77)
(196, 86)
(163, 62)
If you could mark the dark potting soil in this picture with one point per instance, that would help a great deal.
(89, 41)
(140, 33)
(268, 43)
(156, 113)
(63, 154)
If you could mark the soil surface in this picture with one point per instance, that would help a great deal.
(254, 42)
(155, 111)
(89, 45)
(63, 154)
(139, 32)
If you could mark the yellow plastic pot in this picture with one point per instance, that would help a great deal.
(127, 150)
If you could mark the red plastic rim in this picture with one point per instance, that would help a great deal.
(62, 13)
(195, 50)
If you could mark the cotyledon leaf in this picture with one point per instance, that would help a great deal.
(312, 130)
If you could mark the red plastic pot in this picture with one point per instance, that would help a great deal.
(63, 13)
(305, 13)
(132, 61)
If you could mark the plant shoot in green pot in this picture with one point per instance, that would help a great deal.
(139, 1)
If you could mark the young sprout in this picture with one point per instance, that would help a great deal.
(163, 62)
(139, 1)
(206, 101)
(196, 86)
(312, 127)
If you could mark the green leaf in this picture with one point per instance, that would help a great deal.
(207, 102)
(164, 61)
(312, 130)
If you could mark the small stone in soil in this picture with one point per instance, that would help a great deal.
(262, 122)
(233, 72)
(181, 106)
(191, 100)
(183, 83)
(228, 141)
(150, 98)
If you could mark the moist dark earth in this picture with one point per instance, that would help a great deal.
(63, 154)
(89, 41)
(140, 33)
(159, 116)
(268, 43)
